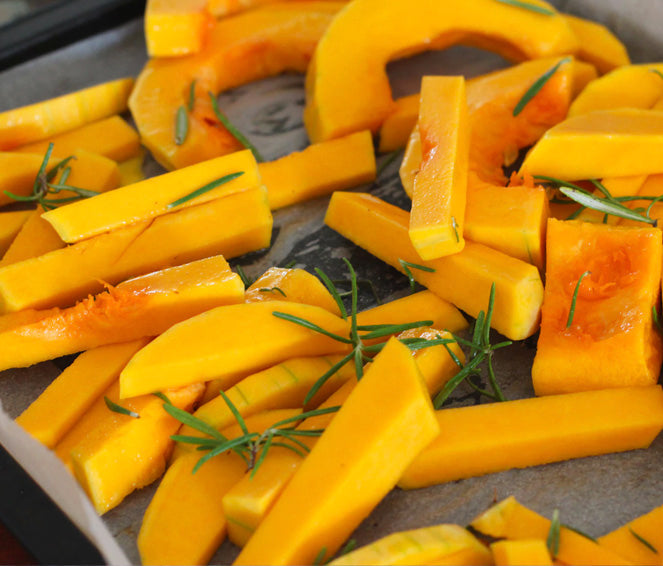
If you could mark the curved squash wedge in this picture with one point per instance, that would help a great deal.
(367, 34)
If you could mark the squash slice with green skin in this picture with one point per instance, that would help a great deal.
(367, 34)
(383, 424)
(229, 341)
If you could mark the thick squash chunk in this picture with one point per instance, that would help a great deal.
(51, 117)
(464, 278)
(36, 237)
(347, 474)
(612, 312)
(248, 47)
(176, 27)
(227, 342)
(65, 400)
(625, 542)
(606, 143)
(530, 432)
(10, 225)
(511, 520)
(440, 185)
(369, 33)
(145, 306)
(153, 197)
(532, 552)
(319, 170)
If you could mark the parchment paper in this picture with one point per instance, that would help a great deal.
(594, 494)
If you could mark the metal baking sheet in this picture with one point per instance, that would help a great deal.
(594, 494)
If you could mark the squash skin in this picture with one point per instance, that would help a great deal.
(621, 540)
(612, 311)
(367, 34)
(345, 476)
(39, 121)
(247, 47)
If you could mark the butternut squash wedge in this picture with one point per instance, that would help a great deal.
(257, 44)
(176, 27)
(368, 34)
(39, 121)
(346, 475)
(111, 137)
(439, 544)
(184, 523)
(463, 279)
(223, 8)
(530, 432)
(624, 542)
(227, 341)
(144, 306)
(153, 197)
(124, 453)
(131, 170)
(10, 225)
(440, 185)
(511, 520)
(230, 226)
(319, 170)
(65, 400)
(612, 312)
(521, 552)
(605, 143)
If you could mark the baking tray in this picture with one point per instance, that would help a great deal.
(593, 494)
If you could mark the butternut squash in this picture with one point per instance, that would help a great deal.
(530, 432)
(153, 197)
(111, 137)
(367, 34)
(437, 217)
(176, 27)
(65, 400)
(144, 306)
(131, 170)
(319, 170)
(39, 121)
(223, 8)
(346, 475)
(511, 520)
(227, 341)
(464, 278)
(10, 225)
(624, 541)
(230, 226)
(605, 143)
(257, 44)
(612, 311)
(439, 544)
(521, 552)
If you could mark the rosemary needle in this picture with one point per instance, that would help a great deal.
(202, 190)
(181, 125)
(406, 265)
(643, 540)
(120, 409)
(272, 290)
(572, 309)
(192, 96)
(537, 85)
(239, 136)
(552, 541)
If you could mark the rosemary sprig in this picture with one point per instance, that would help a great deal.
(273, 290)
(552, 541)
(528, 6)
(406, 265)
(538, 84)
(181, 125)
(643, 540)
(43, 184)
(239, 136)
(120, 409)
(657, 320)
(192, 96)
(481, 350)
(572, 309)
(208, 187)
(248, 281)
(454, 225)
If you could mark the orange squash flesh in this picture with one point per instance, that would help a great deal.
(51, 117)
(530, 432)
(369, 33)
(176, 27)
(319, 170)
(145, 306)
(227, 342)
(111, 137)
(241, 49)
(623, 542)
(533, 552)
(511, 520)
(230, 226)
(440, 185)
(464, 278)
(223, 8)
(184, 523)
(346, 475)
(10, 225)
(613, 310)
(65, 400)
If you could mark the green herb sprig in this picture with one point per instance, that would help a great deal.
(272, 290)
(208, 187)
(407, 266)
(537, 85)
(181, 125)
(120, 409)
(239, 136)
(247, 280)
(643, 540)
(43, 184)
(528, 6)
(574, 299)
(552, 541)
